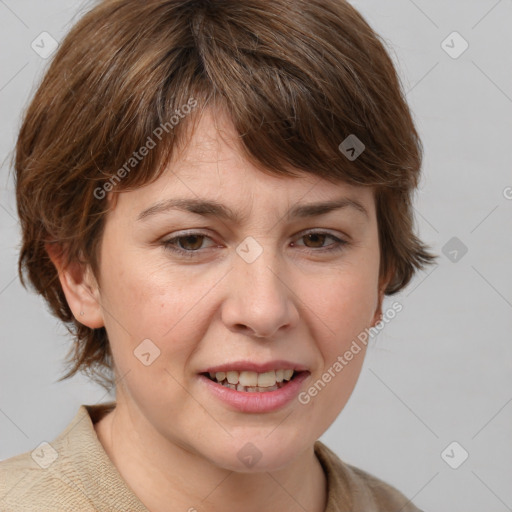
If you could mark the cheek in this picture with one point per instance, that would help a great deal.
(167, 306)
(141, 291)
(345, 301)
(145, 298)
(340, 312)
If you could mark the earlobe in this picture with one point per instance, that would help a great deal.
(80, 288)
(377, 317)
(383, 284)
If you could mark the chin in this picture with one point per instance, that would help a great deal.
(255, 454)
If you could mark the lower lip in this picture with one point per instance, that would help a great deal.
(259, 401)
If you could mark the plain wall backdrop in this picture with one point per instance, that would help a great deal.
(441, 371)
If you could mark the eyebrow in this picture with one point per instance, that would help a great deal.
(212, 208)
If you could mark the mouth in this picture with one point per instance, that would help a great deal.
(251, 387)
(253, 382)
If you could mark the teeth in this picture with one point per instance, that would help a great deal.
(252, 381)
(232, 377)
(287, 374)
(267, 379)
(252, 389)
(248, 379)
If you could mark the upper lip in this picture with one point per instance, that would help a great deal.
(251, 366)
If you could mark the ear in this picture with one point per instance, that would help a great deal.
(383, 284)
(79, 286)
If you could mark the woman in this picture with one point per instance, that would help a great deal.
(215, 196)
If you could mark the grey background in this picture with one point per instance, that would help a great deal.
(442, 370)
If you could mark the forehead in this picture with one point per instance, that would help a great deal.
(212, 164)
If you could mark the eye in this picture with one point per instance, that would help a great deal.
(190, 244)
(186, 244)
(317, 239)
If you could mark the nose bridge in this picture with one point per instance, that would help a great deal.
(257, 264)
(256, 269)
(258, 300)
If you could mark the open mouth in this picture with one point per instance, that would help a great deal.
(252, 382)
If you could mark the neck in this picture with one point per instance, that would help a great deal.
(166, 476)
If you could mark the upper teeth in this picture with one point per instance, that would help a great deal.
(253, 379)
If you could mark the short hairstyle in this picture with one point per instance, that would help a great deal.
(296, 78)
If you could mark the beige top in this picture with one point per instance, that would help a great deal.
(74, 473)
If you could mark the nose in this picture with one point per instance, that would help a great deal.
(259, 301)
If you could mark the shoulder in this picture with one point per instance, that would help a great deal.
(387, 496)
(364, 491)
(26, 486)
(65, 474)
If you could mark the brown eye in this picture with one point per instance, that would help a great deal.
(317, 239)
(190, 242)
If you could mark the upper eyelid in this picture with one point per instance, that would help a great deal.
(301, 233)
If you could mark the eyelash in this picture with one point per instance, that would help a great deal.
(170, 244)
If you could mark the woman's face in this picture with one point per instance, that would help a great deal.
(182, 293)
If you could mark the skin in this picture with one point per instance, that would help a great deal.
(171, 440)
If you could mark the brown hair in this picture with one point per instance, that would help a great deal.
(296, 77)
